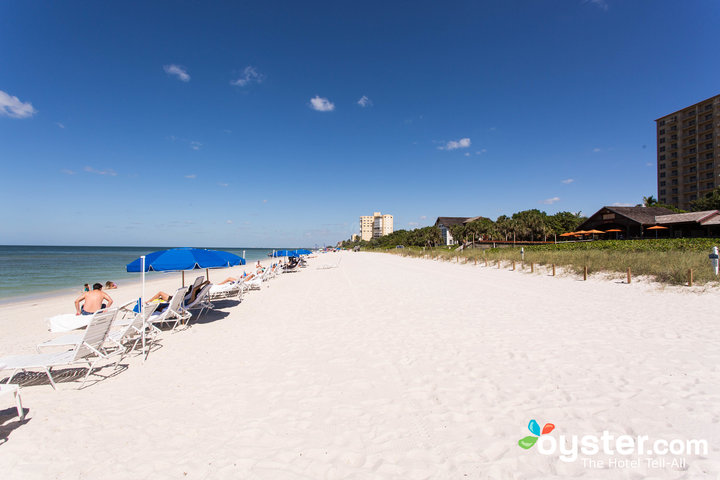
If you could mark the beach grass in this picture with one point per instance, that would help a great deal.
(667, 261)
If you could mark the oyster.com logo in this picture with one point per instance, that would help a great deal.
(534, 428)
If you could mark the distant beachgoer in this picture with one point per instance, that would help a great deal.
(94, 301)
(110, 285)
(87, 288)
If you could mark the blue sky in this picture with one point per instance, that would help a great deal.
(280, 123)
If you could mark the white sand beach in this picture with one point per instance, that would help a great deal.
(383, 368)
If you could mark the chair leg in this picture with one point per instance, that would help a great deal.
(90, 367)
(18, 402)
(49, 374)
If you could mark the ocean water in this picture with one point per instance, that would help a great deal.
(27, 271)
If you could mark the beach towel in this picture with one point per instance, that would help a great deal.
(68, 321)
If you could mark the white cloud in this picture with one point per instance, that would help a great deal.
(454, 145)
(480, 152)
(413, 224)
(423, 217)
(249, 75)
(13, 107)
(108, 171)
(321, 104)
(621, 204)
(364, 101)
(192, 176)
(178, 71)
(601, 4)
(228, 222)
(264, 201)
(223, 184)
(568, 180)
(467, 154)
(59, 124)
(596, 150)
(67, 171)
(195, 145)
(550, 201)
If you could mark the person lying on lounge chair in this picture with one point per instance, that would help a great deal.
(189, 296)
(245, 276)
(94, 301)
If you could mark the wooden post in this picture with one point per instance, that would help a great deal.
(498, 264)
(553, 270)
(475, 260)
(513, 265)
(690, 278)
(486, 262)
(457, 259)
(585, 272)
(629, 276)
(532, 267)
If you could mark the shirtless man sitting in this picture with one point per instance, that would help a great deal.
(93, 301)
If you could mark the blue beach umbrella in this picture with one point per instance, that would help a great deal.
(285, 253)
(181, 259)
(178, 259)
(303, 251)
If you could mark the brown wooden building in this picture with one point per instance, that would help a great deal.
(634, 221)
(631, 220)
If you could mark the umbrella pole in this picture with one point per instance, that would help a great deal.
(142, 305)
(207, 274)
(183, 277)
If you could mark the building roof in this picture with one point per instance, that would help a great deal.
(448, 221)
(685, 108)
(713, 220)
(642, 215)
(472, 219)
(697, 217)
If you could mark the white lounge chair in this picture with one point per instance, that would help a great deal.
(226, 290)
(87, 350)
(200, 301)
(15, 391)
(174, 313)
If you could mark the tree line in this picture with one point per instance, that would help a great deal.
(526, 225)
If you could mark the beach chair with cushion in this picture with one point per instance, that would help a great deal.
(173, 313)
(226, 290)
(87, 350)
(15, 391)
(253, 283)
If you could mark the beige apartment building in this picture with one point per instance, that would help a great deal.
(375, 226)
(688, 153)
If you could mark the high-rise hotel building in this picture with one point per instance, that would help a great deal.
(375, 226)
(688, 153)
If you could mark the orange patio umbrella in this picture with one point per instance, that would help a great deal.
(567, 234)
(656, 228)
(594, 231)
(616, 230)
